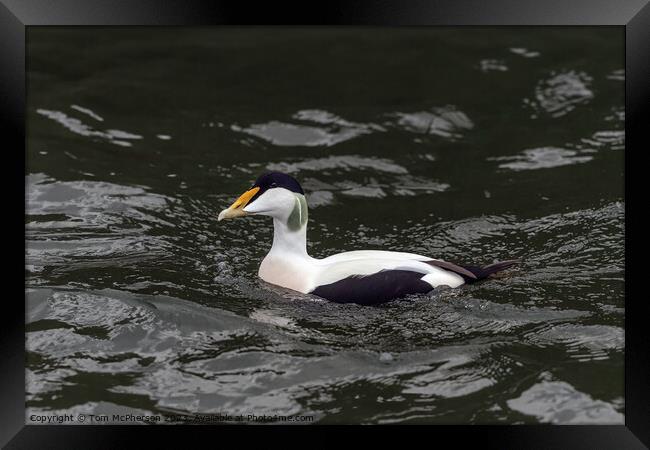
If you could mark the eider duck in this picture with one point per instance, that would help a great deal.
(364, 276)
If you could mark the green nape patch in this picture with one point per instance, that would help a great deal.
(298, 217)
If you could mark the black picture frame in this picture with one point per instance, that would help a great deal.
(16, 15)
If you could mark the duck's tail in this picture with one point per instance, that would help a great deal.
(483, 272)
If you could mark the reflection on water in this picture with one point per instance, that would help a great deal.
(395, 179)
(559, 94)
(116, 137)
(542, 158)
(347, 163)
(559, 402)
(524, 52)
(321, 128)
(331, 131)
(445, 122)
(487, 65)
(472, 146)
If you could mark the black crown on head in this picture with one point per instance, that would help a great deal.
(270, 180)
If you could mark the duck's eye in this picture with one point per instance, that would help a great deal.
(274, 185)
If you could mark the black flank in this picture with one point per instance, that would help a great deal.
(373, 289)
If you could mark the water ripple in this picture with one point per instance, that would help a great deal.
(117, 137)
(561, 93)
(446, 122)
(558, 402)
(541, 158)
(330, 131)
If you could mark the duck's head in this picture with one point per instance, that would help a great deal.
(273, 194)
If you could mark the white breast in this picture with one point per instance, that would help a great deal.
(295, 273)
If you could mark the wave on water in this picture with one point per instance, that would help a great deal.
(117, 137)
(526, 53)
(558, 402)
(493, 65)
(447, 122)
(395, 179)
(181, 357)
(344, 163)
(315, 128)
(561, 93)
(541, 158)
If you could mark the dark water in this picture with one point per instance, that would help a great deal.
(465, 144)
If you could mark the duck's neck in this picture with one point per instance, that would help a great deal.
(288, 240)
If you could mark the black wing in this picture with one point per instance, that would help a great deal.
(462, 271)
(373, 289)
(474, 273)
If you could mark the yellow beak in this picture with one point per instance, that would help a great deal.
(237, 208)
